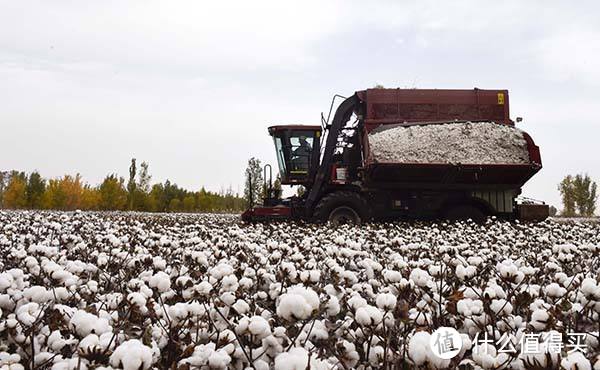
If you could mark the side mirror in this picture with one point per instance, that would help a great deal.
(519, 119)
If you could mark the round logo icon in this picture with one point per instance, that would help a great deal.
(445, 342)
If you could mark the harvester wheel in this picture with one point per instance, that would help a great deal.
(342, 207)
(464, 212)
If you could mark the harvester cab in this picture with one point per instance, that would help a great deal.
(297, 148)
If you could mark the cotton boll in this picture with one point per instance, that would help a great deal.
(203, 288)
(132, 355)
(85, 323)
(463, 272)
(37, 294)
(554, 290)
(368, 316)
(259, 326)
(539, 319)
(241, 306)
(576, 361)
(386, 301)
(376, 355)
(28, 313)
(333, 306)
(484, 355)
(418, 348)
(420, 277)
(161, 282)
(469, 307)
(221, 270)
(356, 301)
(293, 307)
(219, 359)
(229, 283)
(294, 359)
(138, 300)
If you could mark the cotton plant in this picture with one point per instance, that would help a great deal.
(83, 290)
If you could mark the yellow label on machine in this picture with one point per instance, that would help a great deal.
(501, 98)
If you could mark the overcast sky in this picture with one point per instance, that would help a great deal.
(191, 86)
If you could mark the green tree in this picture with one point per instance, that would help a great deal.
(54, 196)
(15, 194)
(189, 203)
(72, 188)
(36, 186)
(175, 205)
(131, 185)
(585, 195)
(254, 182)
(113, 195)
(277, 190)
(4, 178)
(579, 195)
(567, 192)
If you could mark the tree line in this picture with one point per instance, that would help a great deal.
(19, 190)
(579, 196)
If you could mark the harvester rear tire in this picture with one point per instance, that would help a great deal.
(342, 207)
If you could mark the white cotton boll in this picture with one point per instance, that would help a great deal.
(475, 260)
(219, 359)
(435, 270)
(160, 281)
(221, 270)
(6, 281)
(539, 319)
(293, 306)
(333, 306)
(241, 306)
(420, 277)
(137, 299)
(246, 283)
(228, 298)
(289, 270)
(56, 341)
(294, 359)
(90, 343)
(261, 365)
(229, 283)
(576, 361)
(368, 316)
(554, 290)
(484, 355)
(386, 301)
(259, 326)
(589, 287)
(597, 363)
(376, 355)
(37, 294)
(469, 307)
(418, 348)
(28, 313)
(318, 331)
(132, 355)
(159, 263)
(85, 323)
(501, 307)
(392, 276)
(463, 272)
(203, 288)
(356, 301)
(73, 363)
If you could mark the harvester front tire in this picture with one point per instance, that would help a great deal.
(342, 207)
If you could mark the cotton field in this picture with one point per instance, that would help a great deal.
(138, 291)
